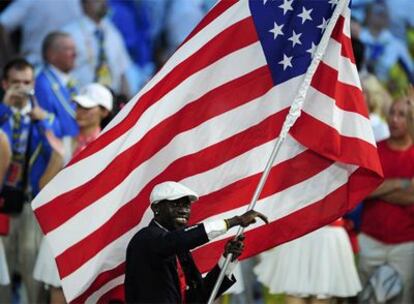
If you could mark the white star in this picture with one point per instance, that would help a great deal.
(264, 2)
(305, 15)
(312, 50)
(276, 30)
(295, 38)
(333, 2)
(287, 62)
(286, 6)
(323, 25)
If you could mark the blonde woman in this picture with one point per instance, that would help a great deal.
(378, 101)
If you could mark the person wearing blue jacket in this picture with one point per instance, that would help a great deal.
(29, 129)
(54, 86)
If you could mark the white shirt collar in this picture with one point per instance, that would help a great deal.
(24, 111)
(91, 26)
(63, 77)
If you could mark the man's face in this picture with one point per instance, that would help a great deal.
(173, 214)
(64, 54)
(377, 18)
(17, 83)
(397, 119)
(96, 8)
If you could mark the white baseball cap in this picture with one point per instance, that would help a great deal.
(93, 95)
(171, 191)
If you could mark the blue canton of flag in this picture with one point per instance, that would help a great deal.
(289, 32)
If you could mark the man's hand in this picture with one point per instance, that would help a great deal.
(245, 219)
(38, 113)
(235, 247)
(15, 96)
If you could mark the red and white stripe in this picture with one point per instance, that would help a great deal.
(209, 119)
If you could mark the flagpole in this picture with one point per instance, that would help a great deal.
(294, 113)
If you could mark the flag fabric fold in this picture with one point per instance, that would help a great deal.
(209, 119)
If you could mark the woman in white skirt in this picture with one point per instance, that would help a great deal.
(313, 268)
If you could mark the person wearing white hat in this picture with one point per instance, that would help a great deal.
(159, 265)
(94, 103)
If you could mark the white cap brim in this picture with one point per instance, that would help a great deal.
(85, 102)
(171, 191)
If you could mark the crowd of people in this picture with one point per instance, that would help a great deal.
(70, 65)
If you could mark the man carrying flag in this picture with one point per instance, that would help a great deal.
(210, 119)
(160, 252)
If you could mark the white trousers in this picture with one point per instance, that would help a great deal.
(21, 246)
(374, 253)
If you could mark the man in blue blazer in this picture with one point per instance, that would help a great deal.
(159, 265)
(54, 85)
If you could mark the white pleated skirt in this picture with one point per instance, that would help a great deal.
(4, 270)
(319, 264)
(45, 269)
(237, 287)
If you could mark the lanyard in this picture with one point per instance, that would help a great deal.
(56, 89)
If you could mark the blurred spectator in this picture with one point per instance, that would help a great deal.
(156, 13)
(5, 156)
(358, 9)
(133, 23)
(383, 50)
(387, 229)
(94, 103)
(36, 20)
(101, 53)
(315, 268)
(182, 18)
(54, 85)
(378, 101)
(26, 129)
(170, 23)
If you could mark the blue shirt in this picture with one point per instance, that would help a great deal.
(16, 127)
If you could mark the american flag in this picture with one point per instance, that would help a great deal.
(209, 119)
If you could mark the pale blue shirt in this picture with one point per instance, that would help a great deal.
(181, 19)
(83, 33)
(391, 51)
(37, 19)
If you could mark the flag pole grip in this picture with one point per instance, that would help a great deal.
(294, 113)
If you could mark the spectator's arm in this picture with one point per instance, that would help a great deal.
(390, 185)
(12, 17)
(5, 155)
(53, 167)
(400, 197)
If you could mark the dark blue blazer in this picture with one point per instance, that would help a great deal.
(151, 266)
